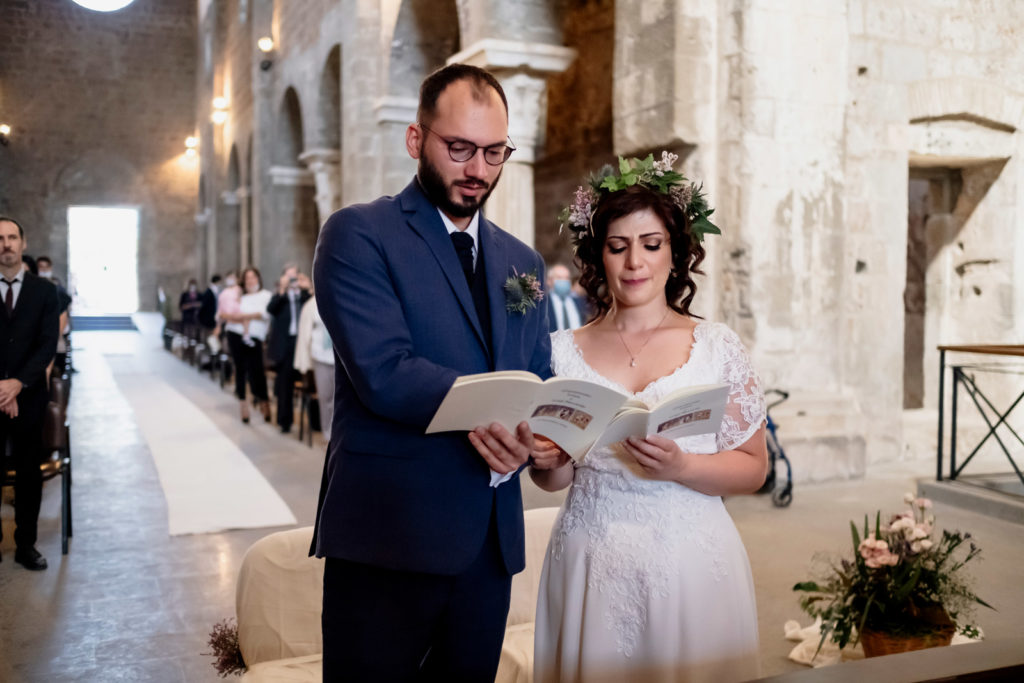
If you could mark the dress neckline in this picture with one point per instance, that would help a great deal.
(697, 338)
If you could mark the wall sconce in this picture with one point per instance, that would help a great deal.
(191, 145)
(5, 133)
(220, 110)
(266, 46)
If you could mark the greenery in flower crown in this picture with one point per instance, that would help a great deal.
(898, 577)
(654, 175)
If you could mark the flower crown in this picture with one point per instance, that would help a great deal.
(653, 175)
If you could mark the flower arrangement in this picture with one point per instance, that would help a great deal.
(522, 292)
(901, 581)
(654, 175)
(224, 643)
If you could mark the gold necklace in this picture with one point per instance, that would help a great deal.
(632, 356)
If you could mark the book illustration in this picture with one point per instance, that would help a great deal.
(573, 416)
(687, 418)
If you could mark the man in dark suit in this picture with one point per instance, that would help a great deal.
(420, 537)
(28, 341)
(284, 308)
(208, 306)
(566, 310)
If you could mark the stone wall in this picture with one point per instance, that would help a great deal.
(100, 106)
(803, 120)
(578, 136)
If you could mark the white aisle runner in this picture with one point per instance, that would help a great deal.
(209, 483)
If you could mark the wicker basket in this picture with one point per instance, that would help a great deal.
(878, 643)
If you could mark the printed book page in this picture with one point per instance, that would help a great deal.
(570, 412)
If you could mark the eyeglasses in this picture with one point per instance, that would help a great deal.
(463, 150)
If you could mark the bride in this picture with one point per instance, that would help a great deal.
(646, 578)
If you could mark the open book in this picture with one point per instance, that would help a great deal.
(576, 414)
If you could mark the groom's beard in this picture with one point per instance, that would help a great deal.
(447, 197)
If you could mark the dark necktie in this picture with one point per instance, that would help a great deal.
(464, 248)
(9, 297)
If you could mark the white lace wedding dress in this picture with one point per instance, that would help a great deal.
(647, 580)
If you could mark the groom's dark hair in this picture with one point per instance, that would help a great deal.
(435, 84)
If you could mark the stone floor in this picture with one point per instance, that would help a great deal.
(130, 603)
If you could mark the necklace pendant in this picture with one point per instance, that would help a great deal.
(632, 362)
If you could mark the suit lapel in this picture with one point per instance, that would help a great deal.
(496, 271)
(424, 219)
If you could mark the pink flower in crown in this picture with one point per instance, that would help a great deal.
(582, 206)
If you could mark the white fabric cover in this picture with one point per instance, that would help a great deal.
(307, 669)
(279, 599)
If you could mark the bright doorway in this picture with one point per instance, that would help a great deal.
(103, 260)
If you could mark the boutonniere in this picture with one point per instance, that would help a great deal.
(522, 292)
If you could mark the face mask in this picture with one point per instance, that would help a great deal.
(230, 282)
(192, 289)
(252, 289)
(46, 274)
(562, 288)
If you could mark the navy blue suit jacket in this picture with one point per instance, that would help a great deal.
(395, 301)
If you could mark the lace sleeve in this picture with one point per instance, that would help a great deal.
(745, 411)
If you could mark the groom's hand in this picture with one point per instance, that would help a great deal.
(503, 451)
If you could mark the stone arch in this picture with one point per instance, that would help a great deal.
(577, 137)
(246, 257)
(426, 33)
(423, 34)
(229, 216)
(291, 235)
(328, 133)
(288, 141)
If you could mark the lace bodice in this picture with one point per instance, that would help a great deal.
(633, 528)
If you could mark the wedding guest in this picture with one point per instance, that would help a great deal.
(293, 290)
(422, 533)
(246, 326)
(45, 266)
(646, 577)
(315, 351)
(566, 310)
(28, 340)
(208, 306)
(189, 304)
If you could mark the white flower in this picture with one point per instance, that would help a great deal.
(926, 544)
(665, 165)
(923, 503)
(909, 497)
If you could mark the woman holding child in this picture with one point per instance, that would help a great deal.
(646, 578)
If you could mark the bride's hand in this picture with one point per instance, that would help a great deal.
(661, 458)
(546, 455)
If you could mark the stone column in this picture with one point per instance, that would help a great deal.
(206, 245)
(244, 225)
(522, 69)
(325, 165)
(394, 114)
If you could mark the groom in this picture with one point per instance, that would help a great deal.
(420, 547)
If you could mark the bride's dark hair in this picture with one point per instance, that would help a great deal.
(687, 252)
